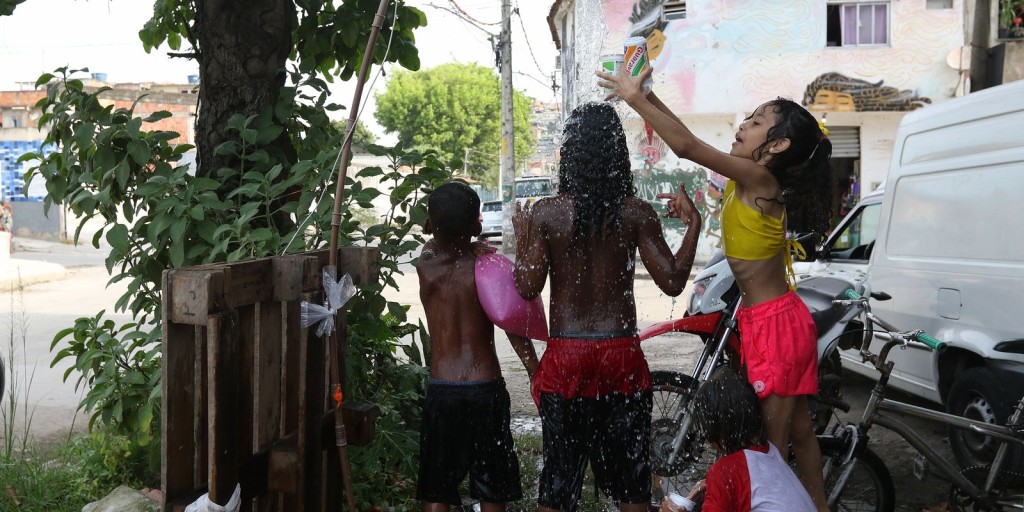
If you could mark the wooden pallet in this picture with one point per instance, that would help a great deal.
(245, 389)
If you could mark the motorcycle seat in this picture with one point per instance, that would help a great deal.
(818, 294)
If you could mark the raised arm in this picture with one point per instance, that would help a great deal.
(669, 271)
(532, 258)
(676, 135)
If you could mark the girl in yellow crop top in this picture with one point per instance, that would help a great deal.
(778, 169)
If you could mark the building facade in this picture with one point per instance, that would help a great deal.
(20, 133)
(860, 65)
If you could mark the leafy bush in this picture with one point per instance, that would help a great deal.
(156, 216)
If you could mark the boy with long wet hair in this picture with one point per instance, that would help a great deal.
(593, 385)
(466, 417)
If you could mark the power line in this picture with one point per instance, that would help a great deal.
(466, 14)
(535, 79)
(463, 18)
(527, 38)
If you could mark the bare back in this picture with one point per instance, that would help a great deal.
(461, 335)
(592, 281)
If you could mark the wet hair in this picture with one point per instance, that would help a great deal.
(727, 410)
(594, 170)
(803, 169)
(453, 209)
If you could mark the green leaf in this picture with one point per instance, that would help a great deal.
(249, 135)
(43, 78)
(117, 237)
(268, 134)
(157, 116)
(177, 252)
(178, 231)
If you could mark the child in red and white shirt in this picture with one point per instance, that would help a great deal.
(751, 475)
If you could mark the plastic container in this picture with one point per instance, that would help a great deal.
(676, 503)
(634, 50)
(496, 289)
(612, 64)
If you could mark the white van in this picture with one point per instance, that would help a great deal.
(532, 188)
(946, 240)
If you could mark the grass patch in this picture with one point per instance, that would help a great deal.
(67, 477)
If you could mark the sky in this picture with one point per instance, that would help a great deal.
(102, 35)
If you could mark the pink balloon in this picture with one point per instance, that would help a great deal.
(496, 289)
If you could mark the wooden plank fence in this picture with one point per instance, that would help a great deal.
(245, 389)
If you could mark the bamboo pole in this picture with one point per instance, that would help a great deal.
(333, 348)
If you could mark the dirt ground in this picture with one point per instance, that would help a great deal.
(678, 352)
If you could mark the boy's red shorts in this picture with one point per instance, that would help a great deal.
(780, 347)
(574, 368)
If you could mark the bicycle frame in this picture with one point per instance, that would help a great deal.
(886, 413)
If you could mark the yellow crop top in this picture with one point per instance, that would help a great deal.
(748, 234)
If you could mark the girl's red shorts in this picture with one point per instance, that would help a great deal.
(780, 347)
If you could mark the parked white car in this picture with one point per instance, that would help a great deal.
(945, 239)
(490, 217)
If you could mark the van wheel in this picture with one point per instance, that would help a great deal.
(981, 394)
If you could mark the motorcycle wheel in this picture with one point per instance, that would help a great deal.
(869, 488)
(669, 391)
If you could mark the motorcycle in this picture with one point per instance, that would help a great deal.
(680, 456)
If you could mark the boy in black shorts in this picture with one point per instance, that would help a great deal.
(466, 410)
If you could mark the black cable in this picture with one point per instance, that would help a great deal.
(527, 38)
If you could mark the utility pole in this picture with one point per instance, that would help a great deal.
(507, 160)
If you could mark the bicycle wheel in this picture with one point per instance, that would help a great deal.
(1007, 493)
(869, 488)
(671, 390)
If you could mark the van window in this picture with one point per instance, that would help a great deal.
(964, 214)
(533, 188)
(491, 206)
(858, 235)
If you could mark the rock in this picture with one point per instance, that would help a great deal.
(123, 499)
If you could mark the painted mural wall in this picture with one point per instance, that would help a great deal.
(728, 56)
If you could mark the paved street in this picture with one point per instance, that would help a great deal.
(35, 313)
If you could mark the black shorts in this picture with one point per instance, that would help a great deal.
(612, 431)
(466, 430)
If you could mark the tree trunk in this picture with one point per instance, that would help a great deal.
(244, 46)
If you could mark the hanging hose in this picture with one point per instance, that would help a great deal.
(332, 346)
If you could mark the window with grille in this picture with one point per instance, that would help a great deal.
(674, 10)
(857, 23)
